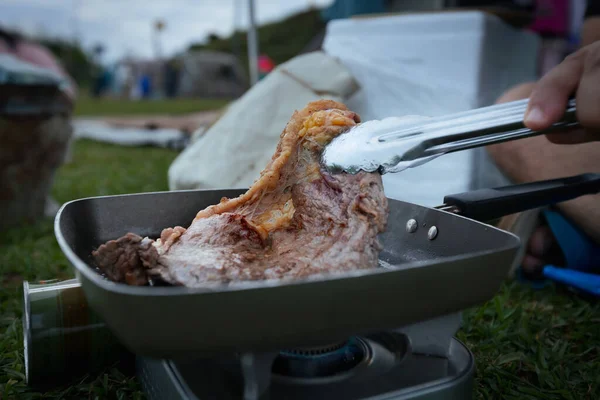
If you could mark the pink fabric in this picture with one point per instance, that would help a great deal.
(552, 17)
(40, 56)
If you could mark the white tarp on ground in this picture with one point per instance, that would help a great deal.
(427, 64)
(128, 136)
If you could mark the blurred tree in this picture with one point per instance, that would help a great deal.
(74, 59)
(280, 40)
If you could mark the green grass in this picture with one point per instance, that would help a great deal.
(535, 345)
(528, 344)
(87, 106)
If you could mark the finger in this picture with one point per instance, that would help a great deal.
(549, 98)
(588, 92)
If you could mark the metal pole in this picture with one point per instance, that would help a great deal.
(237, 29)
(252, 45)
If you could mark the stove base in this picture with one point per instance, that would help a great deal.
(416, 377)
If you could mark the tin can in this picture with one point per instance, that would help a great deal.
(63, 338)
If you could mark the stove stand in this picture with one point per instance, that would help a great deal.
(376, 367)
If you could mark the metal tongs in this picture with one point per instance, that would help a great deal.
(394, 144)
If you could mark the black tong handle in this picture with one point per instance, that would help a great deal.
(490, 204)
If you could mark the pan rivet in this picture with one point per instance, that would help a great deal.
(411, 226)
(432, 233)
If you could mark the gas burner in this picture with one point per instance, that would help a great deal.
(320, 362)
(372, 367)
(316, 350)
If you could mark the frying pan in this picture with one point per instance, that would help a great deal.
(436, 262)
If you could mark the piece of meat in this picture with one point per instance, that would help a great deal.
(120, 260)
(296, 219)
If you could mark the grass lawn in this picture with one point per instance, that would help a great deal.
(116, 107)
(528, 344)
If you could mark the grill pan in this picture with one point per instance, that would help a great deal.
(428, 272)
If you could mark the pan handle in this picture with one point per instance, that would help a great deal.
(490, 204)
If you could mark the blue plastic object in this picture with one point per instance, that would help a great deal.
(586, 282)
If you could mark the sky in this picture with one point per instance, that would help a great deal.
(125, 27)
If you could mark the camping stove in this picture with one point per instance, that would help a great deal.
(423, 361)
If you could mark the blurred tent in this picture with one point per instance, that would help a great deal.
(208, 73)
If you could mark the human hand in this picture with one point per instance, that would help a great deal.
(579, 75)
